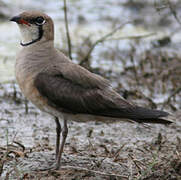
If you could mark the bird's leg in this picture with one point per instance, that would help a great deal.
(58, 130)
(64, 136)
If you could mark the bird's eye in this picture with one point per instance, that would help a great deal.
(39, 21)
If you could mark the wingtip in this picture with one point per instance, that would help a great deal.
(164, 121)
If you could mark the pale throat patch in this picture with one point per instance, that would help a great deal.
(29, 33)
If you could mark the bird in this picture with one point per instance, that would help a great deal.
(65, 90)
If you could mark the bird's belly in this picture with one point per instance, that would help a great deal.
(89, 117)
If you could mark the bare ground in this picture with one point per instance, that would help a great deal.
(94, 150)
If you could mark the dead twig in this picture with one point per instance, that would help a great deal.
(133, 37)
(26, 106)
(172, 95)
(2, 161)
(7, 174)
(132, 55)
(159, 7)
(19, 144)
(173, 11)
(135, 163)
(67, 31)
(102, 39)
(116, 154)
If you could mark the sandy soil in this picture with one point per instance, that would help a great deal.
(93, 150)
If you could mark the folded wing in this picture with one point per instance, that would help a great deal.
(73, 95)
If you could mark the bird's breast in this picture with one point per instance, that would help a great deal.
(25, 79)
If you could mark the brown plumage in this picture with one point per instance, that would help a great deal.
(58, 86)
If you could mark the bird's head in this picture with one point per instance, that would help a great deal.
(34, 27)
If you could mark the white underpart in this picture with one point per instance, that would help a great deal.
(29, 33)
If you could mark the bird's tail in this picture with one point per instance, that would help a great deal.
(138, 114)
(144, 115)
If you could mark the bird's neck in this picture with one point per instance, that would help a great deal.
(41, 45)
(34, 56)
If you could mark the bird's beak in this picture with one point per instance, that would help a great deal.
(19, 20)
(16, 19)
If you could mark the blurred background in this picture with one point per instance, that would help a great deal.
(144, 48)
(136, 45)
